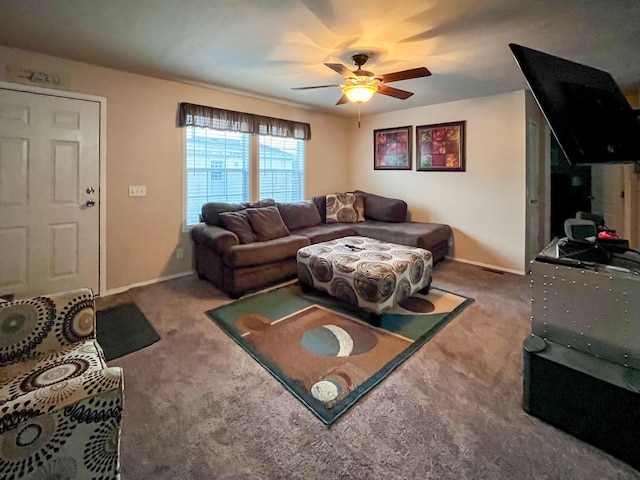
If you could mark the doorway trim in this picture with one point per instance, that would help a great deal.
(102, 220)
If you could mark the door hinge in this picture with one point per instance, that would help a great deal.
(622, 194)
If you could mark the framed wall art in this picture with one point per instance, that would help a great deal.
(440, 147)
(392, 148)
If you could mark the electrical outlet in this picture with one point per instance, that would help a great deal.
(137, 190)
(179, 253)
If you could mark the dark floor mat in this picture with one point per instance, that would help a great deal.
(123, 329)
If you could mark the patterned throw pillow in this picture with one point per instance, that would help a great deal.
(345, 208)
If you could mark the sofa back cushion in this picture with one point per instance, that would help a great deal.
(266, 202)
(267, 223)
(210, 211)
(299, 214)
(238, 223)
(384, 209)
(345, 208)
(321, 204)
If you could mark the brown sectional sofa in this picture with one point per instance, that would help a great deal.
(236, 263)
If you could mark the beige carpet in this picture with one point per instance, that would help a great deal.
(198, 407)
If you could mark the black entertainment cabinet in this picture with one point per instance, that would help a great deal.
(582, 361)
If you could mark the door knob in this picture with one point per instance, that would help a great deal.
(533, 200)
(90, 190)
(90, 203)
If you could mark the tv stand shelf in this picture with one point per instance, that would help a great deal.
(607, 257)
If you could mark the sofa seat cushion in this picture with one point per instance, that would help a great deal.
(261, 253)
(326, 231)
(414, 234)
(60, 378)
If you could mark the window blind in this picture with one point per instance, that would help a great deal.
(281, 165)
(217, 169)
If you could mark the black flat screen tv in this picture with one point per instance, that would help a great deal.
(586, 110)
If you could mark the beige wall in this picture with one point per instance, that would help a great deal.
(631, 185)
(144, 147)
(484, 205)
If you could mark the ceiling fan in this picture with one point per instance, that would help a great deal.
(360, 85)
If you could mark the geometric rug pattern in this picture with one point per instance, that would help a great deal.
(326, 352)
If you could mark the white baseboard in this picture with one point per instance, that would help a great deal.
(486, 265)
(117, 290)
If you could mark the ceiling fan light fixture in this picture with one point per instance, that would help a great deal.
(359, 93)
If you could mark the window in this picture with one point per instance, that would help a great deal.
(281, 166)
(226, 166)
(236, 157)
(217, 168)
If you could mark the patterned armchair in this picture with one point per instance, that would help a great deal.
(60, 405)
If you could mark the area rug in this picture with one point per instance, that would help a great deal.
(123, 329)
(326, 352)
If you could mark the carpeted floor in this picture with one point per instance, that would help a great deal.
(197, 406)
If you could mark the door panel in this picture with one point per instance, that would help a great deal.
(66, 172)
(13, 259)
(14, 113)
(64, 250)
(49, 157)
(14, 167)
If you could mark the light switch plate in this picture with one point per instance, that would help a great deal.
(137, 190)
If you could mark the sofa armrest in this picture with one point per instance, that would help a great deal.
(214, 237)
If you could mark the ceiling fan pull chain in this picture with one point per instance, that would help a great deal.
(358, 116)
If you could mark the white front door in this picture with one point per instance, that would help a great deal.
(49, 193)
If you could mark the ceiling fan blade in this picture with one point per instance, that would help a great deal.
(315, 86)
(394, 92)
(405, 75)
(343, 99)
(341, 69)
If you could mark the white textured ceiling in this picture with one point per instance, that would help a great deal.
(266, 47)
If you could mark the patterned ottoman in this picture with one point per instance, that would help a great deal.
(372, 274)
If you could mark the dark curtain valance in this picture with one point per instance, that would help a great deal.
(220, 119)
